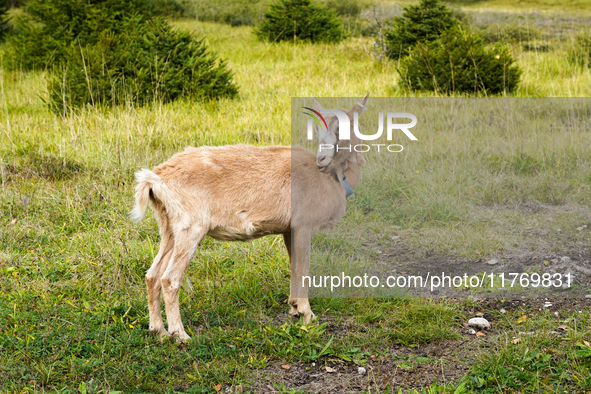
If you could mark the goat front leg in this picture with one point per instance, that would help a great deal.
(185, 244)
(300, 267)
(287, 239)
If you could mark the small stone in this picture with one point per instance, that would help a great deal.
(556, 314)
(587, 295)
(565, 259)
(361, 371)
(471, 331)
(330, 370)
(480, 334)
(547, 304)
(394, 238)
(503, 311)
(479, 322)
(493, 262)
(581, 228)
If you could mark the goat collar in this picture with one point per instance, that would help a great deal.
(343, 181)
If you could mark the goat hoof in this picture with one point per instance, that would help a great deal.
(309, 317)
(181, 337)
(161, 332)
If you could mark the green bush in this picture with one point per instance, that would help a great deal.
(580, 50)
(4, 21)
(418, 23)
(149, 61)
(48, 29)
(302, 20)
(459, 62)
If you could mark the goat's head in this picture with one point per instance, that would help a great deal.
(332, 150)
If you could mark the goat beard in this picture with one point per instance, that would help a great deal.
(343, 162)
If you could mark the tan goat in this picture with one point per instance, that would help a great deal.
(239, 193)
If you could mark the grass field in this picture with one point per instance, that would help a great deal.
(73, 313)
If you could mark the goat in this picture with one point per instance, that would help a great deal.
(239, 193)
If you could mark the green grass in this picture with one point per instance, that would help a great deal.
(73, 312)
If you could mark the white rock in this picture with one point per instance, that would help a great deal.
(503, 311)
(361, 371)
(587, 295)
(472, 332)
(493, 262)
(395, 237)
(479, 322)
(565, 259)
(547, 304)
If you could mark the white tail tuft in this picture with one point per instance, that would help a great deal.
(146, 180)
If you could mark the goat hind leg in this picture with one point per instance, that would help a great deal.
(154, 284)
(185, 244)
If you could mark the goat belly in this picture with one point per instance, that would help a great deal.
(236, 234)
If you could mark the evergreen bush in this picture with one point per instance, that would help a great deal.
(423, 22)
(48, 29)
(301, 20)
(4, 21)
(148, 62)
(109, 52)
(459, 62)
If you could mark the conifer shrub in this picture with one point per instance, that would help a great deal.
(48, 28)
(459, 62)
(423, 22)
(146, 62)
(301, 20)
(4, 21)
(109, 52)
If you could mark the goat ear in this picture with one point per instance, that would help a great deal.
(317, 105)
(360, 106)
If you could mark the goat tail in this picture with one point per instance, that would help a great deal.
(149, 187)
